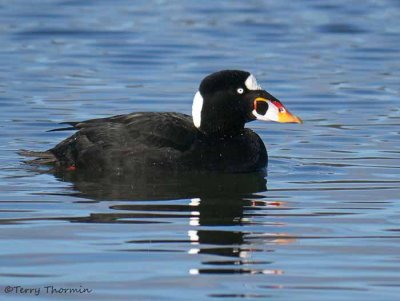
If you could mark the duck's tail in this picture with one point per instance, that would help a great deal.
(40, 157)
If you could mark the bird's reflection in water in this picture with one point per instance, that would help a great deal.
(164, 185)
(210, 203)
(235, 248)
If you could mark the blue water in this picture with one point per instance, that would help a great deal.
(324, 226)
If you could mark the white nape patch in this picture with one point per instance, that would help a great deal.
(196, 109)
(251, 83)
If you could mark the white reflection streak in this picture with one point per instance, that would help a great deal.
(194, 238)
(194, 221)
(195, 202)
(244, 254)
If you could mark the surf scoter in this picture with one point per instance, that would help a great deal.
(213, 138)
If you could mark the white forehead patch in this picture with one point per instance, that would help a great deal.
(196, 109)
(251, 83)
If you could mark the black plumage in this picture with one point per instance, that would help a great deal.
(142, 141)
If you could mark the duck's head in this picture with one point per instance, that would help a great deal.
(227, 99)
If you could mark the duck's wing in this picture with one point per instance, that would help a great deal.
(153, 129)
(145, 134)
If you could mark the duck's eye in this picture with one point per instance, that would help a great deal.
(240, 90)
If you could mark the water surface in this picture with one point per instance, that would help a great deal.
(323, 225)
